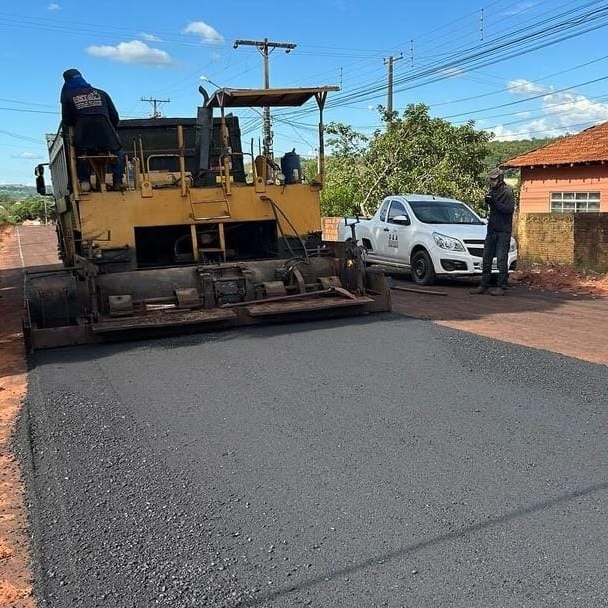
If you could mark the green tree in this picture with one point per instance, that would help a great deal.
(500, 151)
(343, 168)
(30, 208)
(309, 168)
(427, 155)
(414, 153)
(4, 214)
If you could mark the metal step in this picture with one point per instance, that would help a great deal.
(297, 306)
(171, 318)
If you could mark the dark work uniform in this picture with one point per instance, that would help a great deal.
(93, 116)
(501, 203)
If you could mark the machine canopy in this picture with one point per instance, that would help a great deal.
(263, 98)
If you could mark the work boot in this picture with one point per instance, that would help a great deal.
(478, 290)
(498, 291)
(118, 186)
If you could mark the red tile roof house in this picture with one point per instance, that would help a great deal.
(563, 200)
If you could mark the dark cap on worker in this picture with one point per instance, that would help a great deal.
(71, 73)
(496, 174)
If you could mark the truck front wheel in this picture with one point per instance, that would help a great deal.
(423, 272)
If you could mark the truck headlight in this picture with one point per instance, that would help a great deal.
(512, 245)
(447, 242)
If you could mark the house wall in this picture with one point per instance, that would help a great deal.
(546, 237)
(568, 238)
(591, 240)
(537, 184)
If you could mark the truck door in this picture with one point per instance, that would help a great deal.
(398, 235)
(379, 232)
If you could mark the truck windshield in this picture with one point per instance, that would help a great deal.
(443, 212)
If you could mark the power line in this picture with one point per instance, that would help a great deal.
(527, 133)
(579, 19)
(488, 54)
(21, 137)
(494, 53)
(28, 103)
(29, 111)
(519, 101)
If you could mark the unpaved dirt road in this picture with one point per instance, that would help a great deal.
(378, 462)
(19, 248)
(568, 323)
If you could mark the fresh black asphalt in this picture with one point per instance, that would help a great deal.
(382, 461)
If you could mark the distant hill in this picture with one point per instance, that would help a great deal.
(16, 192)
(501, 151)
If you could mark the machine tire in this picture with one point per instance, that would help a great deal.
(422, 269)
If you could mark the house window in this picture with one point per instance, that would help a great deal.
(575, 202)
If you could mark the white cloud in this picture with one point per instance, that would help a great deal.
(53, 6)
(558, 113)
(206, 32)
(136, 51)
(27, 156)
(150, 37)
(569, 108)
(521, 86)
(535, 129)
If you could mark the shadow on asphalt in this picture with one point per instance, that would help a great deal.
(464, 532)
(172, 338)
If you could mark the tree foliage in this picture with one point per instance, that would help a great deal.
(414, 153)
(500, 151)
(30, 208)
(343, 169)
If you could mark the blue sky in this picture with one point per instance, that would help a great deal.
(523, 68)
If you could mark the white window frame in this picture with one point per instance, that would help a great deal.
(575, 202)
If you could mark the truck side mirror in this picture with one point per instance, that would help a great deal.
(402, 220)
(40, 185)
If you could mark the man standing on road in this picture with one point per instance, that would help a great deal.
(501, 205)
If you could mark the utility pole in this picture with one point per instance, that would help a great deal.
(390, 61)
(156, 103)
(265, 47)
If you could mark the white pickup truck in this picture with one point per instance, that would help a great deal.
(427, 235)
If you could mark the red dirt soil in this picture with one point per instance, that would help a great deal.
(15, 577)
(566, 279)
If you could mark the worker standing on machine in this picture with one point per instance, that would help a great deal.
(93, 116)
